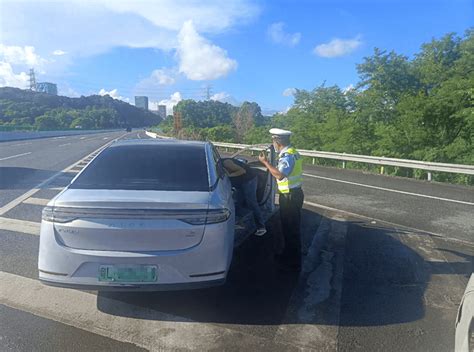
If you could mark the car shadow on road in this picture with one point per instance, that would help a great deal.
(466, 267)
(370, 278)
(12, 178)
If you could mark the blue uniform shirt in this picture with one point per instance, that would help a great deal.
(286, 162)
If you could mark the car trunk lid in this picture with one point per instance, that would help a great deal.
(125, 220)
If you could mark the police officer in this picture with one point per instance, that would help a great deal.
(289, 175)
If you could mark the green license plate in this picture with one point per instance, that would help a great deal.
(128, 273)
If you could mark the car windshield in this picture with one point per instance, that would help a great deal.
(158, 168)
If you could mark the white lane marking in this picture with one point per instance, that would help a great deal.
(62, 145)
(55, 188)
(399, 226)
(391, 190)
(82, 138)
(43, 184)
(16, 145)
(150, 329)
(23, 226)
(36, 201)
(14, 156)
(62, 137)
(106, 138)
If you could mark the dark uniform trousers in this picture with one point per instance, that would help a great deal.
(290, 217)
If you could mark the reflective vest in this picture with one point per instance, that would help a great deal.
(295, 178)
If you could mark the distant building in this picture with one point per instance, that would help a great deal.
(141, 102)
(46, 87)
(162, 111)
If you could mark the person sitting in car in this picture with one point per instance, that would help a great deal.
(244, 179)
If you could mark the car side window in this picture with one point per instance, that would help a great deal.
(216, 152)
(217, 162)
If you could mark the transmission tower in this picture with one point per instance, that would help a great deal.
(32, 79)
(208, 92)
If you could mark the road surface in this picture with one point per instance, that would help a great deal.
(386, 263)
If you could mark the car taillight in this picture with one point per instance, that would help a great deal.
(47, 214)
(57, 215)
(213, 216)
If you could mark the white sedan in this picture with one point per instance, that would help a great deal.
(146, 215)
(465, 320)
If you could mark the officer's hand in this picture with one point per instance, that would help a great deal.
(262, 157)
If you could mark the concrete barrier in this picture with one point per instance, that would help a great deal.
(20, 135)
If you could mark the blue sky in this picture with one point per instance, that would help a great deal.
(246, 50)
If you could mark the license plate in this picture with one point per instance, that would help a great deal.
(128, 273)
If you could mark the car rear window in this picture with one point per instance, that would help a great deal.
(146, 167)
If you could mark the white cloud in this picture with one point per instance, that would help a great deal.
(163, 77)
(159, 77)
(220, 96)
(277, 34)
(87, 28)
(157, 81)
(208, 16)
(113, 94)
(10, 79)
(59, 52)
(20, 55)
(338, 47)
(288, 92)
(174, 99)
(224, 97)
(198, 58)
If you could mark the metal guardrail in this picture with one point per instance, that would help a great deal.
(155, 135)
(376, 160)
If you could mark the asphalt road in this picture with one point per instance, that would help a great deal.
(383, 270)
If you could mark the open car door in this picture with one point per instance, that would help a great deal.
(266, 189)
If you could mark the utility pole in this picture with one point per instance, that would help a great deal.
(32, 79)
(178, 125)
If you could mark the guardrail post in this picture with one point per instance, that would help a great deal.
(429, 176)
(313, 161)
(382, 169)
(344, 164)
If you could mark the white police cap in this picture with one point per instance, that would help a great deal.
(280, 132)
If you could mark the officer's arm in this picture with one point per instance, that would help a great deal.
(273, 170)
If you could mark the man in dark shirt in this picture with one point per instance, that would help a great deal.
(244, 179)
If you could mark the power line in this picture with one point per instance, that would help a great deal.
(155, 93)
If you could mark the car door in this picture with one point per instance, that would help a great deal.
(222, 188)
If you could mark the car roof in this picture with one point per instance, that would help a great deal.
(158, 142)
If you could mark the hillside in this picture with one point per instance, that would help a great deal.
(42, 111)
